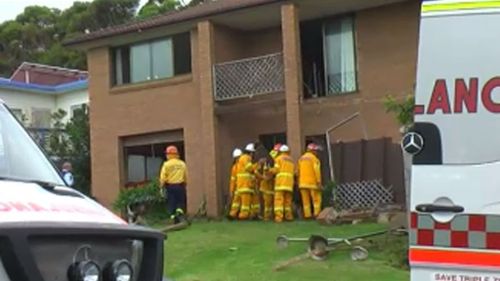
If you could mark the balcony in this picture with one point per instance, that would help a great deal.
(249, 77)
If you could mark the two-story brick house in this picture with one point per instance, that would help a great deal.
(219, 75)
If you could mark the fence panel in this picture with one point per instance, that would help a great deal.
(367, 170)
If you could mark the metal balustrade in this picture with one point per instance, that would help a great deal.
(249, 77)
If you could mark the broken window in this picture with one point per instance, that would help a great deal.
(328, 57)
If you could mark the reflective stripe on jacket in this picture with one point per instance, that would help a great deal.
(173, 171)
(284, 169)
(232, 181)
(244, 174)
(309, 171)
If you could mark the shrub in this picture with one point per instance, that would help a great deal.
(403, 110)
(148, 195)
(329, 198)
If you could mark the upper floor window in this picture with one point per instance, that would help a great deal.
(328, 57)
(340, 56)
(152, 60)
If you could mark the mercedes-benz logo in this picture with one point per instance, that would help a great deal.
(412, 143)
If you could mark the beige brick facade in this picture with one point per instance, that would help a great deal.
(386, 48)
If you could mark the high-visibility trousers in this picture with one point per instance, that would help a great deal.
(283, 206)
(246, 201)
(235, 205)
(255, 208)
(308, 194)
(268, 198)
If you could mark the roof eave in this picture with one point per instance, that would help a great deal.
(83, 41)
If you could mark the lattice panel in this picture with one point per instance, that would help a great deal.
(363, 195)
(249, 77)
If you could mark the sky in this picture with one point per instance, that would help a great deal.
(9, 9)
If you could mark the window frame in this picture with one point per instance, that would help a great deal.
(126, 76)
(328, 93)
(15, 111)
(34, 122)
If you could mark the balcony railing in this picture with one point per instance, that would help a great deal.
(249, 77)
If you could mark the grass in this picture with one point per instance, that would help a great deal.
(244, 251)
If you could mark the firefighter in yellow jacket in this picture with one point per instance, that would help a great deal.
(255, 205)
(173, 177)
(266, 184)
(235, 199)
(265, 181)
(283, 169)
(244, 182)
(309, 175)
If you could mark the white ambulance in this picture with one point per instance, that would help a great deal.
(455, 196)
(51, 232)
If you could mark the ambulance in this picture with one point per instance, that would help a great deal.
(455, 181)
(50, 232)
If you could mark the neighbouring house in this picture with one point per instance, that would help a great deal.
(219, 75)
(35, 91)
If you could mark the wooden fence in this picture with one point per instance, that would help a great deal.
(367, 160)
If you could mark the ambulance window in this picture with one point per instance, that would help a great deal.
(20, 157)
(431, 153)
(3, 160)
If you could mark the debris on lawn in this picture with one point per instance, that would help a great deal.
(175, 227)
(331, 216)
(319, 247)
(384, 214)
(327, 216)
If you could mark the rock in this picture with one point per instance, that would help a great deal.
(384, 218)
(357, 221)
(327, 216)
(399, 220)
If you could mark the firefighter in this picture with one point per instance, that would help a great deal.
(266, 185)
(265, 188)
(244, 181)
(309, 175)
(255, 206)
(173, 178)
(235, 199)
(275, 151)
(283, 169)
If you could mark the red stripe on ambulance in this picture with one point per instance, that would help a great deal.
(455, 257)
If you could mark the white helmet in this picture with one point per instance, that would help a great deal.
(250, 147)
(284, 148)
(237, 153)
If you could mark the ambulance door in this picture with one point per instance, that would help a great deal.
(455, 182)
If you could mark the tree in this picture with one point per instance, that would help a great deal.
(38, 32)
(78, 132)
(157, 7)
(106, 13)
(58, 144)
(71, 142)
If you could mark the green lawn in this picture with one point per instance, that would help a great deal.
(241, 251)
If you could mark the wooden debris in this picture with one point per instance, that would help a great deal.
(291, 261)
(327, 216)
(175, 227)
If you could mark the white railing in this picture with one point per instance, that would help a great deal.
(249, 77)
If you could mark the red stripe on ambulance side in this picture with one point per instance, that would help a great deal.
(485, 259)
